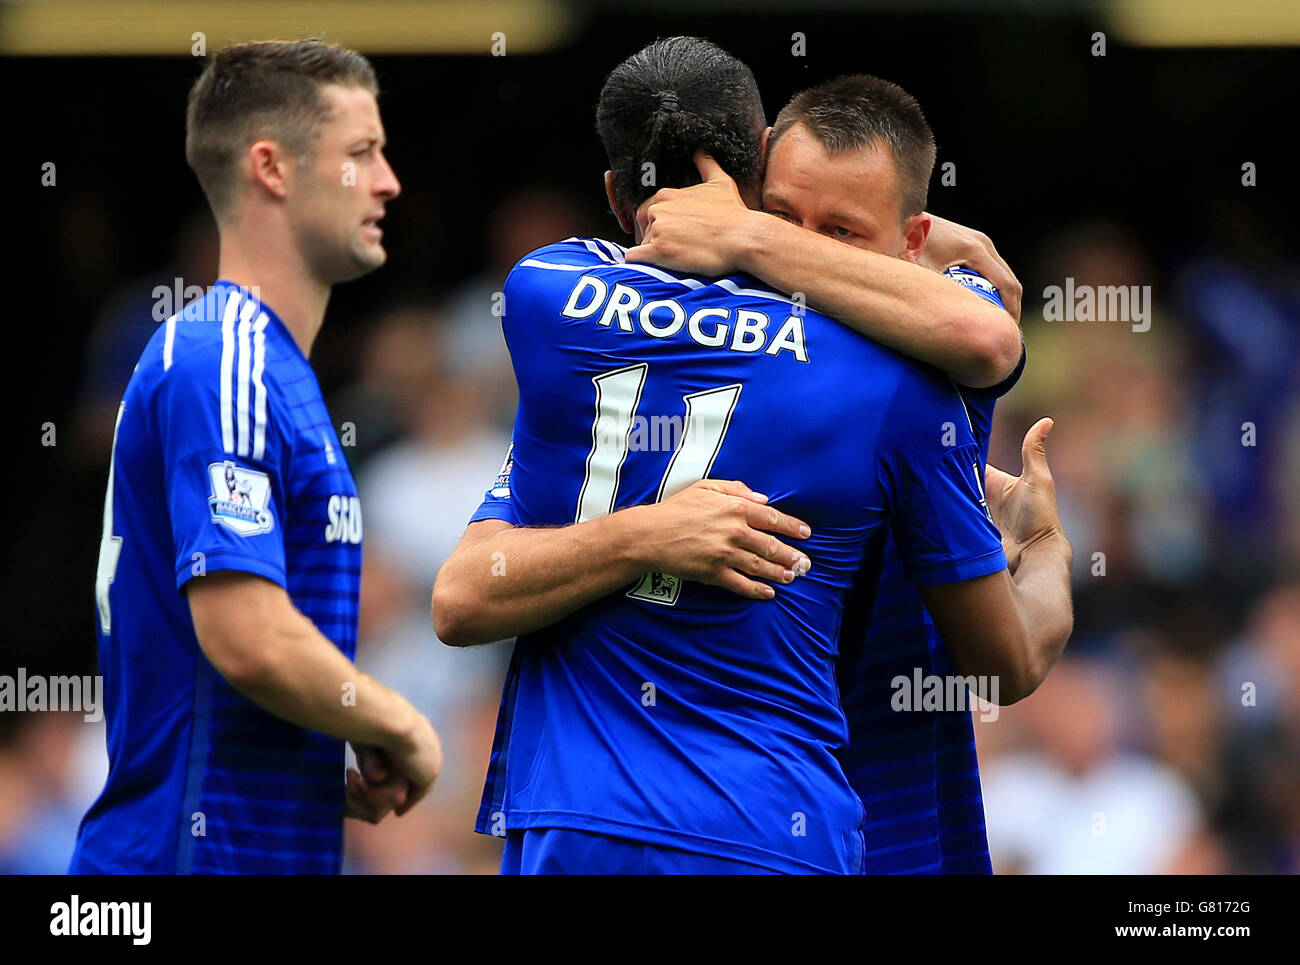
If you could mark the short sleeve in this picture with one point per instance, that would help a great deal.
(225, 459)
(992, 393)
(930, 471)
(979, 285)
(497, 502)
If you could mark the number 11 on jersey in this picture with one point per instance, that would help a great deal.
(618, 395)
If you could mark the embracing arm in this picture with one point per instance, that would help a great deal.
(502, 581)
(912, 308)
(1014, 624)
(900, 304)
(1012, 627)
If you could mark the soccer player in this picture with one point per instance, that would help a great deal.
(828, 170)
(230, 564)
(675, 727)
(916, 773)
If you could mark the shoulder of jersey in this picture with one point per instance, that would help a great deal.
(575, 253)
(209, 336)
(587, 254)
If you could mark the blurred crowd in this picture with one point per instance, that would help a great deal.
(1167, 739)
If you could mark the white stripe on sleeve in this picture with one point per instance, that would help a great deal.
(169, 341)
(227, 371)
(245, 364)
(259, 388)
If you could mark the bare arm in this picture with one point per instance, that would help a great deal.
(502, 581)
(896, 302)
(272, 654)
(1014, 624)
(1010, 627)
(708, 229)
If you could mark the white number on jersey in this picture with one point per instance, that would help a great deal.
(110, 546)
(618, 394)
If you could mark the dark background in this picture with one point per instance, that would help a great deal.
(1143, 147)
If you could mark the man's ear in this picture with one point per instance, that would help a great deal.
(270, 167)
(762, 152)
(625, 218)
(915, 232)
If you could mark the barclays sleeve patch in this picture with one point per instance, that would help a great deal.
(970, 278)
(501, 488)
(241, 498)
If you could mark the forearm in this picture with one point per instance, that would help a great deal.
(300, 676)
(517, 580)
(1041, 590)
(895, 302)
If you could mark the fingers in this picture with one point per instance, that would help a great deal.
(760, 516)
(646, 250)
(644, 219)
(638, 253)
(1033, 451)
(772, 520)
(1012, 293)
(740, 585)
(392, 795)
(710, 169)
(1002, 278)
(749, 563)
(732, 487)
(374, 763)
(412, 799)
(959, 245)
(735, 542)
(645, 214)
(377, 792)
(769, 559)
(1012, 298)
(358, 806)
(421, 782)
(353, 778)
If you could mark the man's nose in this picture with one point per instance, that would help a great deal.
(388, 186)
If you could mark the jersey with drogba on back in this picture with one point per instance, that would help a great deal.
(674, 712)
(224, 458)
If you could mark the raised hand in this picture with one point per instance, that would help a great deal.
(952, 244)
(1024, 507)
(698, 230)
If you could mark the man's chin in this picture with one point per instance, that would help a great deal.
(363, 261)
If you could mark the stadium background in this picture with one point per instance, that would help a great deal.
(1167, 739)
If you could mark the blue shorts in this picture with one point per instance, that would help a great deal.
(559, 851)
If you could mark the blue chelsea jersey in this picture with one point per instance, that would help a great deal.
(674, 712)
(915, 770)
(224, 458)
